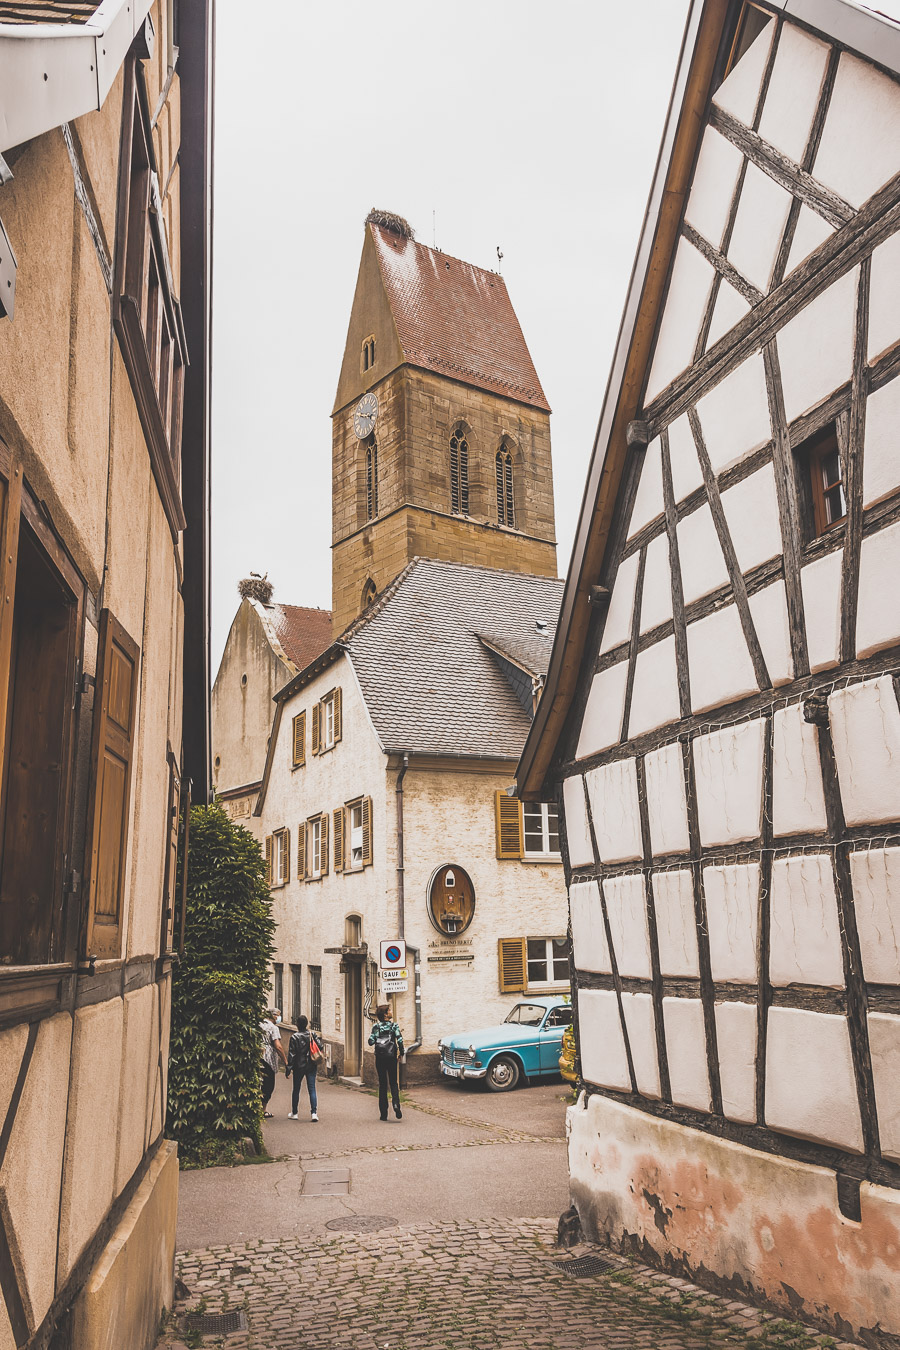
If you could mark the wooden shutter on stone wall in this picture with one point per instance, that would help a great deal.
(511, 953)
(339, 839)
(508, 824)
(301, 851)
(269, 853)
(299, 740)
(284, 843)
(338, 715)
(323, 845)
(366, 831)
(316, 724)
(111, 758)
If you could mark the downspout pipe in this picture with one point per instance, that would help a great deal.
(401, 909)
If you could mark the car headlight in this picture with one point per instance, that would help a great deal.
(440, 1044)
(471, 1052)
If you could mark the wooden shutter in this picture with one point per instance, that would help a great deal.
(323, 846)
(301, 851)
(111, 756)
(299, 740)
(511, 952)
(316, 722)
(508, 823)
(366, 831)
(269, 854)
(338, 715)
(173, 814)
(285, 845)
(10, 507)
(339, 839)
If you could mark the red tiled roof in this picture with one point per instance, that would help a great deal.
(303, 633)
(456, 319)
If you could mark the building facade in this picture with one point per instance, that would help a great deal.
(104, 666)
(721, 714)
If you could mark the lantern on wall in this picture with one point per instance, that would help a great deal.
(451, 900)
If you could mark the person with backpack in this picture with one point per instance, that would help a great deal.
(305, 1054)
(387, 1038)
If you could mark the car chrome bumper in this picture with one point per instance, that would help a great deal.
(461, 1071)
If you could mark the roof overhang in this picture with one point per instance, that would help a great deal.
(51, 73)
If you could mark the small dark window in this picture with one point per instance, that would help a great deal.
(459, 474)
(371, 478)
(751, 23)
(368, 354)
(506, 509)
(368, 594)
(315, 997)
(279, 988)
(822, 481)
(296, 990)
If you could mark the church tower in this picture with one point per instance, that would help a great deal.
(441, 431)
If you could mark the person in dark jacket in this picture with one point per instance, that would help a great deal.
(387, 1038)
(301, 1064)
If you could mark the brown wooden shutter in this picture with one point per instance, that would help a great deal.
(301, 851)
(10, 506)
(366, 831)
(299, 740)
(339, 839)
(323, 848)
(269, 854)
(508, 823)
(511, 953)
(111, 756)
(338, 715)
(316, 722)
(286, 856)
(173, 814)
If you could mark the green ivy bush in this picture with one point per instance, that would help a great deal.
(219, 993)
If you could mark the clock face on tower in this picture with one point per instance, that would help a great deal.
(364, 416)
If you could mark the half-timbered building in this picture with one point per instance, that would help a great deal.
(721, 717)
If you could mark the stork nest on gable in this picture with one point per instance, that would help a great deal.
(256, 587)
(388, 221)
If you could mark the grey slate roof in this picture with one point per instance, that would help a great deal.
(431, 686)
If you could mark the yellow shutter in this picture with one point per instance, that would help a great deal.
(299, 740)
(286, 856)
(511, 953)
(338, 715)
(316, 719)
(339, 839)
(508, 824)
(323, 848)
(301, 851)
(366, 831)
(269, 853)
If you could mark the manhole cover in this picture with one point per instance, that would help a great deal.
(362, 1223)
(579, 1267)
(214, 1323)
(327, 1181)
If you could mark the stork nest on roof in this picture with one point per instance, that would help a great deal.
(256, 587)
(388, 221)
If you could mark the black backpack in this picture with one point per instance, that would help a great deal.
(385, 1043)
(298, 1051)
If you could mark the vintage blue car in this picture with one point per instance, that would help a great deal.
(526, 1044)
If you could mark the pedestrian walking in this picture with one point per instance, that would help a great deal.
(387, 1039)
(305, 1052)
(271, 1050)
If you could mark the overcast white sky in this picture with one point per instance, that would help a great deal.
(520, 123)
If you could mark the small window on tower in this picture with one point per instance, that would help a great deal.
(459, 473)
(368, 595)
(506, 507)
(371, 478)
(821, 481)
(368, 354)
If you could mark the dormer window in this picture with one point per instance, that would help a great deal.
(368, 354)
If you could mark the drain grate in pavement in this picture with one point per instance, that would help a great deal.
(214, 1323)
(362, 1223)
(327, 1181)
(579, 1267)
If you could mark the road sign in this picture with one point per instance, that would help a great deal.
(393, 956)
(392, 986)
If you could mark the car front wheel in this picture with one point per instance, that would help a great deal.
(502, 1074)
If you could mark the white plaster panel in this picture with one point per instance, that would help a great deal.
(884, 1045)
(739, 92)
(860, 147)
(612, 789)
(884, 297)
(654, 695)
(810, 1086)
(626, 907)
(758, 227)
(648, 500)
(656, 601)
(798, 801)
(728, 765)
(640, 1024)
(686, 1052)
(729, 309)
(578, 836)
(815, 348)
(700, 554)
(805, 941)
(720, 665)
(878, 611)
(751, 509)
(865, 727)
(689, 289)
(881, 459)
(687, 475)
(617, 628)
(712, 188)
(768, 610)
(736, 1038)
(735, 415)
(875, 873)
(811, 231)
(601, 1042)
(588, 929)
(667, 800)
(136, 1063)
(602, 723)
(676, 927)
(820, 582)
(732, 917)
(793, 93)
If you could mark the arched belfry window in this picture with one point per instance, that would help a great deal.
(506, 508)
(368, 354)
(371, 478)
(368, 595)
(459, 473)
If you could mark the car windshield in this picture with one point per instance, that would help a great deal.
(527, 1014)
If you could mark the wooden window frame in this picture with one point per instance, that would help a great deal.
(298, 740)
(509, 830)
(536, 986)
(330, 705)
(316, 856)
(812, 490)
(146, 312)
(280, 867)
(364, 806)
(546, 854)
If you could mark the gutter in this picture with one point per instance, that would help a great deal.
(401, 911)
